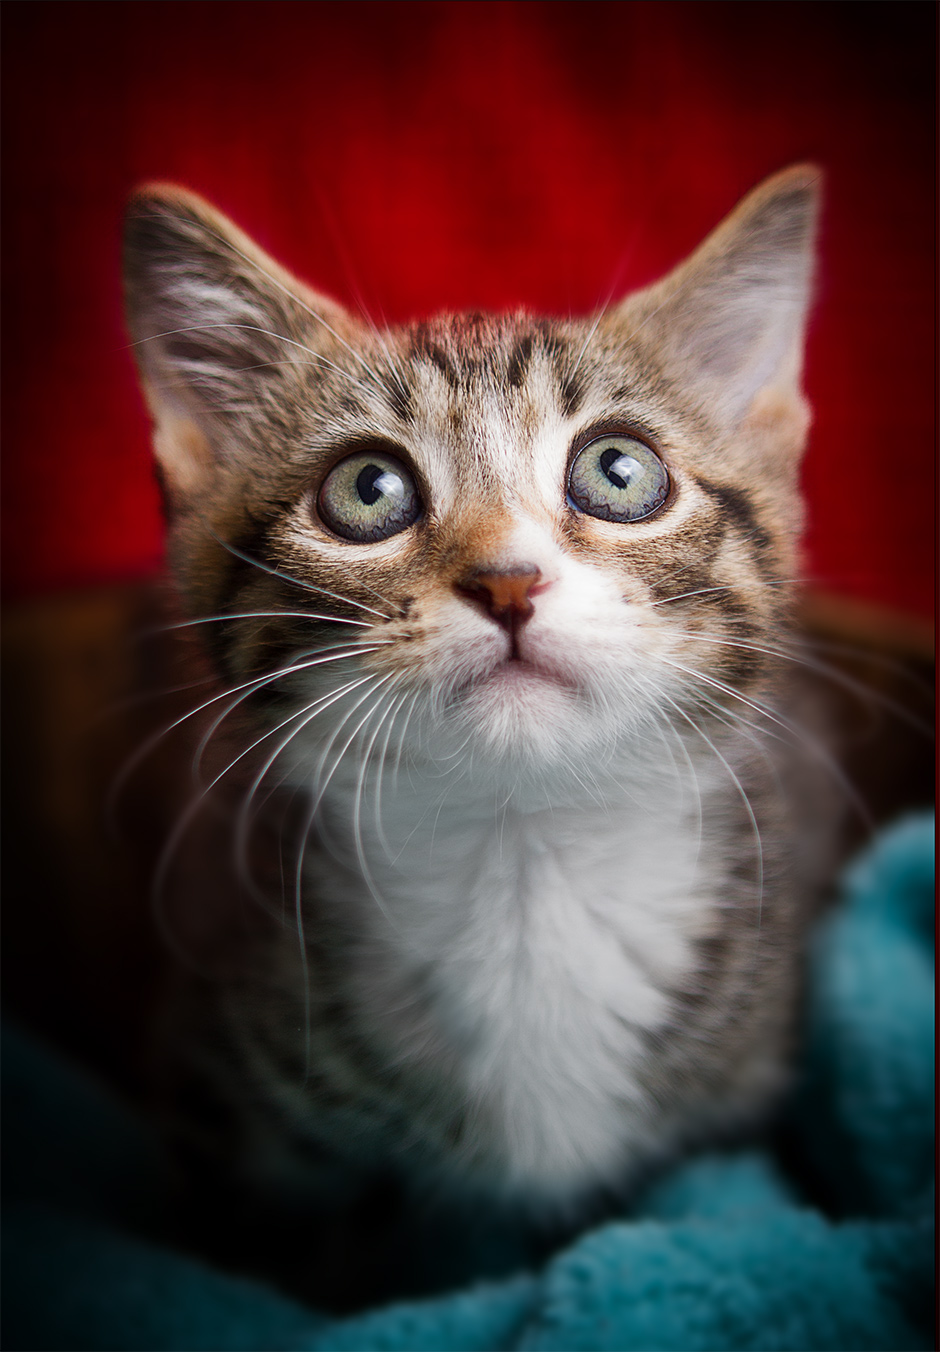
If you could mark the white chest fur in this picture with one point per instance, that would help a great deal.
(546, 944)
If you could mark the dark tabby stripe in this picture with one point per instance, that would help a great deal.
(571, 389)
(571, 386)
(519, 360)
(399, 398)
(738, 508)
(423, 347)
(682, 587)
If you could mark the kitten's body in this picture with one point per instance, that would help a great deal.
(559, 1024)
(541, 916)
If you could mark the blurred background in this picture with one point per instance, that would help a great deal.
(405, 158)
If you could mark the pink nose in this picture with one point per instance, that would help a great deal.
(504, 593)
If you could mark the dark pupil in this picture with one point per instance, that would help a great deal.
(365, 484)
(607, 459)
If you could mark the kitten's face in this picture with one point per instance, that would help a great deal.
(528, 543)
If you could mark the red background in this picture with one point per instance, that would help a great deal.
(411, 157)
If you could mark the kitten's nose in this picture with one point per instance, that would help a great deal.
(504, 593)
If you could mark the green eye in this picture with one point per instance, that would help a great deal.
(617, 478)
(369, 496)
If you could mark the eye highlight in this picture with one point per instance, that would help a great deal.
(368, 497)
(617, 478)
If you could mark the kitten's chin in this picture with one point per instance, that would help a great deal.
(523, 713)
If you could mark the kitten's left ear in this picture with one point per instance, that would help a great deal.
(728, 324)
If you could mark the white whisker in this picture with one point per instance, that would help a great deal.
(316, 799)
(255, 328)
(744, 799)
(802, 738)
(382, 760)
(357, 808)
(150, 743)
(826, 669)
(307, 664)
(306, 716)
(254, 615)
(288, 577)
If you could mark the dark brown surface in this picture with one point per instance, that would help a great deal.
(80, 960)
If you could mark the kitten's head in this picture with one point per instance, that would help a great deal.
(536, 540)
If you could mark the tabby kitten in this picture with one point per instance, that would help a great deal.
(502, 600)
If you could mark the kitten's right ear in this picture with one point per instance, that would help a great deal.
(217, 326)
(728, 324)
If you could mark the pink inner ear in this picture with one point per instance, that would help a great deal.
(184, 454)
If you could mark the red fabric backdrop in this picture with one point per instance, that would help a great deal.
(427, 155)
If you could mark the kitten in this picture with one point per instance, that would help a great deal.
(504, 601)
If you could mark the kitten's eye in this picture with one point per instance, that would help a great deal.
(617, 478)
(369, 496)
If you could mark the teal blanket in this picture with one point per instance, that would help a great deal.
(827, 1243)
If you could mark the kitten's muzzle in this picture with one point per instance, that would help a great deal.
(505, 594)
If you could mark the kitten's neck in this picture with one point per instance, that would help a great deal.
(489, 921)
(427, 854)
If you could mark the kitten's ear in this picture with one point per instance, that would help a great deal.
(728, 323)
(217, 325)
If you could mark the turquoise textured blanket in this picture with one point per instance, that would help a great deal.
(828, 1245)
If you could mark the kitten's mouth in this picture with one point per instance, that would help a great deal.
(516, 670)
(516, 674)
